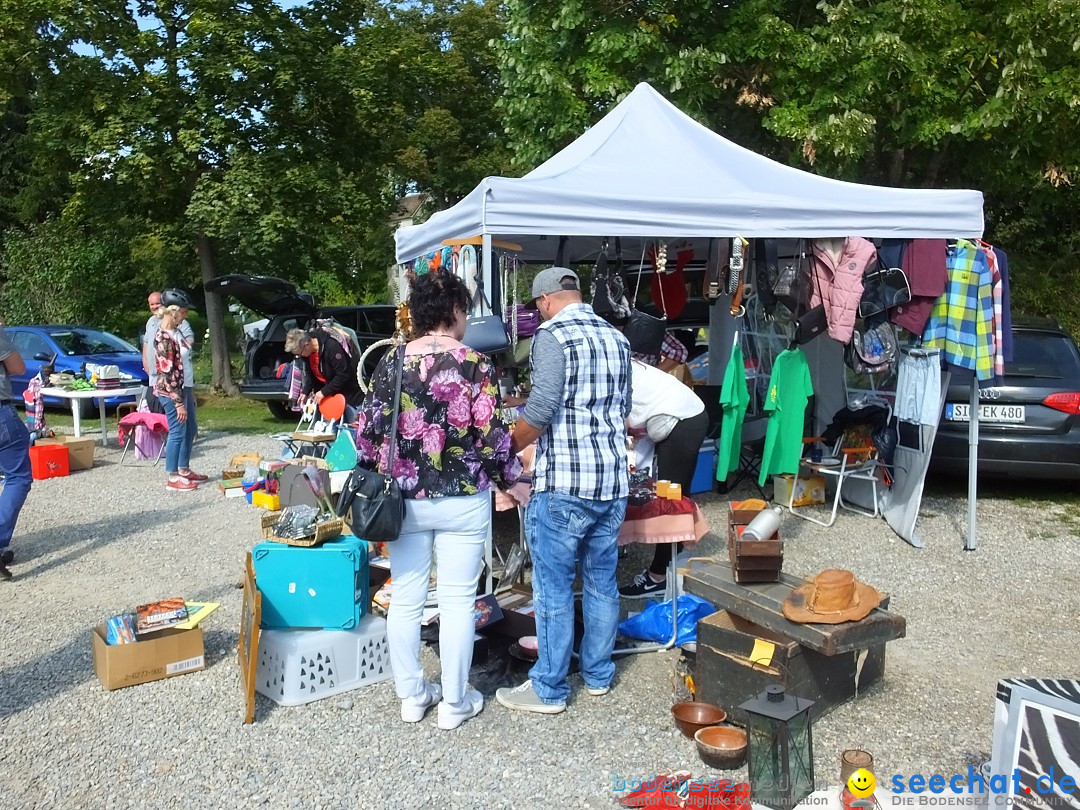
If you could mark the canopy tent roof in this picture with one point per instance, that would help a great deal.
(648, 170)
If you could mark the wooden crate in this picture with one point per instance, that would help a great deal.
(736, 659)
(752, 560)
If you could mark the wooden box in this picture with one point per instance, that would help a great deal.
(752, 560)
(736, 659)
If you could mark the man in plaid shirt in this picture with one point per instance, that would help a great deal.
(576, 412)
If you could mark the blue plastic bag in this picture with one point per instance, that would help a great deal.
(654, 623)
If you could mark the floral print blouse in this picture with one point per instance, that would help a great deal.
(452, 437)
(170, 379)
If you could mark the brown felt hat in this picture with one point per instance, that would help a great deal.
(832, 597)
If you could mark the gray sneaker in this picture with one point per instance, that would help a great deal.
(524, 698)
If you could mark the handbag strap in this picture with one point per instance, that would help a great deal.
(480, 295)
(399, 363)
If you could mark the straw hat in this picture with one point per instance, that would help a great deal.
(832, 597)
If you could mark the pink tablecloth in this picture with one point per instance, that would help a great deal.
(687, 529)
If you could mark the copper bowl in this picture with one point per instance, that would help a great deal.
(721, 747)
(691, 716)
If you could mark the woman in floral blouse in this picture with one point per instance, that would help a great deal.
(169, 389)
(453, 446)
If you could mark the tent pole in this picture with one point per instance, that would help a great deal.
(973, 462)
(489, 274)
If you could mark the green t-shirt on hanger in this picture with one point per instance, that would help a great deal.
(790, 389)
(734, 398)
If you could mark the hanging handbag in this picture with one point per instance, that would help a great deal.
(484, 333)
(374, 500)
(874, 351)
(810, 324)
(790, 287)
(883, 288)
(644, 332)
(813, 321)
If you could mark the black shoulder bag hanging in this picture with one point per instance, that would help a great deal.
(484, 333)
(884, 287)
(377, 505)
(645, 332)
(813, 321)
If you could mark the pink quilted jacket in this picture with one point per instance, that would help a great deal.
(839, 286)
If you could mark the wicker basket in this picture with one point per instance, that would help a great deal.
(324, 530)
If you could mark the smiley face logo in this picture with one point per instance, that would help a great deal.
(861, 783)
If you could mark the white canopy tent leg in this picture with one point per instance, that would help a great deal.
(487, 269)
(973, 463)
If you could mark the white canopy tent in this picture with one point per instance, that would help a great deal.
(648, 171)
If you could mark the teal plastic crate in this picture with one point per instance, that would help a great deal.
(322, 587)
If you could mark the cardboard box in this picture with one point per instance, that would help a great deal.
(158, 655)
(80, 450)
(810, 490)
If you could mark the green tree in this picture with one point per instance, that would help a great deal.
(906, 92)
(46, 268)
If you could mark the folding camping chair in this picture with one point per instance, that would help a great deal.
(751, 450)
(128, 425)
(845, 464)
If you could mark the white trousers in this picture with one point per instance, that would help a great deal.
(456, 529)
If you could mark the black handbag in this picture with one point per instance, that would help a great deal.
(813, 321)
(883, 288)
(485, 333)
(374, 500)
(811, 324)
(644, 332)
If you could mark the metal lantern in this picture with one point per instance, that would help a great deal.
(780, 749)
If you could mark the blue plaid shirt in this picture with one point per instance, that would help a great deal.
(582, 452)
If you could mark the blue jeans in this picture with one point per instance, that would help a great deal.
(177, 445)
(563, 529)
(15, 462)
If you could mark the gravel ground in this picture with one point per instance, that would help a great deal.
(104, 540)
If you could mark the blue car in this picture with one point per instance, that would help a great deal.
(73, 346)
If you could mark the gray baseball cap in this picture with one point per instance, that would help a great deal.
(553, 280)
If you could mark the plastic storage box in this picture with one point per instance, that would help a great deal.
(49, 461)
(705, 472)
(299, 666)
(321, 587)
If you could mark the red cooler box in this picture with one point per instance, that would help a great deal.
(49, 461)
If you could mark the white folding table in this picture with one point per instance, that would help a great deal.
(100, 394)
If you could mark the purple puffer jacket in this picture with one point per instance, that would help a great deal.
(840, 286)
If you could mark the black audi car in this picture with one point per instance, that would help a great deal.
(1029, 427)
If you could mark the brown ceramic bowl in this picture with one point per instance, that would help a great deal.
(721, 747)
(691, 716)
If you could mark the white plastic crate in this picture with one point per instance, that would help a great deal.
(299, 666)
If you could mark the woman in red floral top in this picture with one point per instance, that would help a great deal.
(169, 389)
(453, 447)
